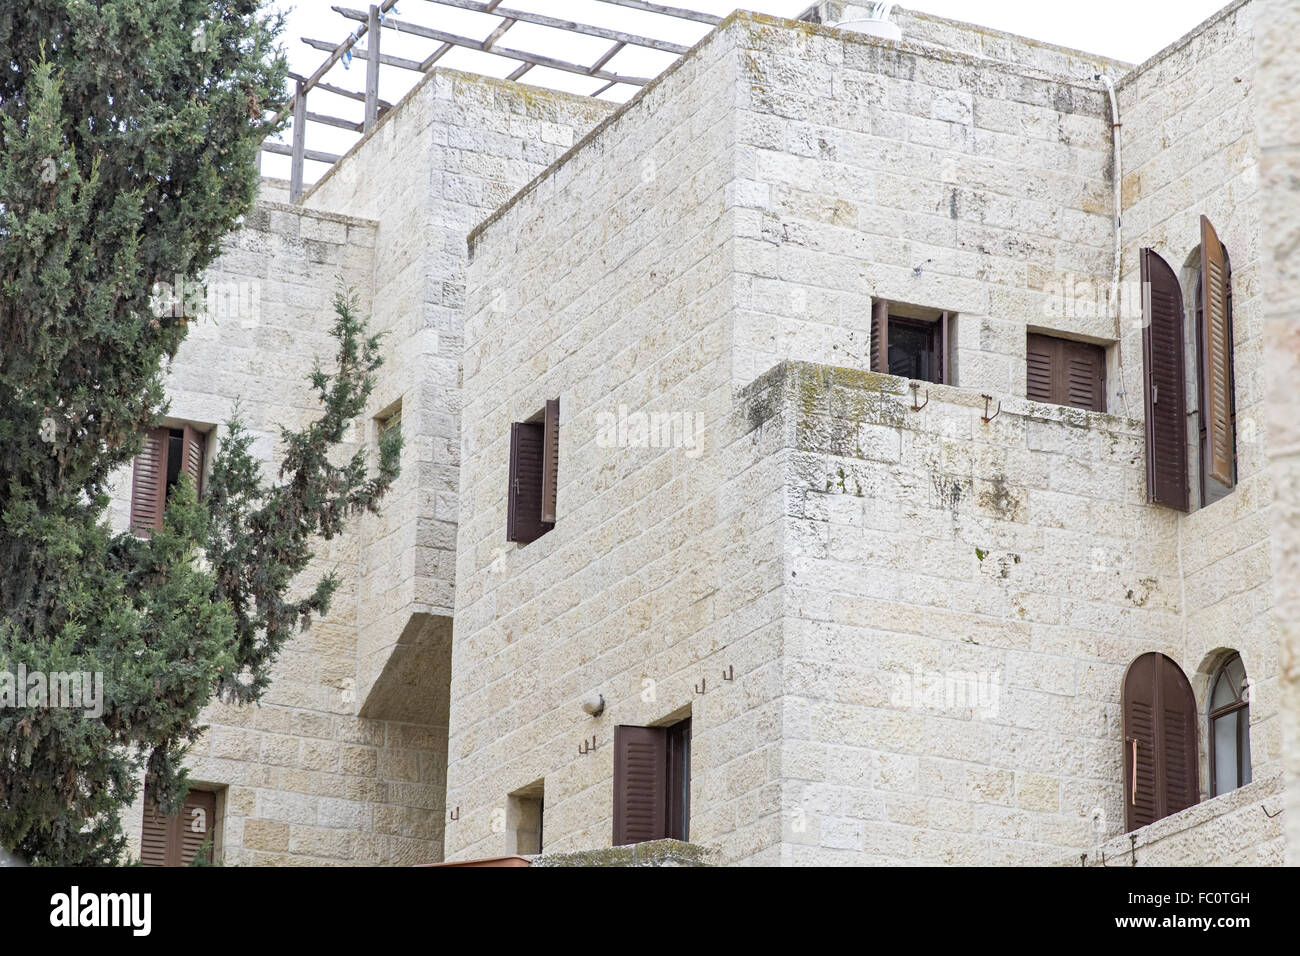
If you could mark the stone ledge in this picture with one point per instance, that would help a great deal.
(654, 853)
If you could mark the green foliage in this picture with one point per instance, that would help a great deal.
(130, 130)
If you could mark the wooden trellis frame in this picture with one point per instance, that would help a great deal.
(372, 23)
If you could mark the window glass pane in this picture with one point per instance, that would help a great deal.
(1236, 672)
(1244, 716)
(1225, 753)
(1223, 694)
(912, 350)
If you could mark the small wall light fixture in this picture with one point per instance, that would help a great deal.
(594, 704)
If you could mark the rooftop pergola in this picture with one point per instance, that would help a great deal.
(365, 44)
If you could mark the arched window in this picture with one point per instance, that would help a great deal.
(1159, 741)
(1229, 713)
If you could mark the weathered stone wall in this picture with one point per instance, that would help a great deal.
(453, 150)
(1189, 147)
(663, 567)
(930, 550)
(1278, 118)
(302, 779)
(1241, 828)
(313, 774)
(925, 176)
(981, 41)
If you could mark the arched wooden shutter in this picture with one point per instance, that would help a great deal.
(1164, 367)
(880, 336)
(149, 481)
(1159, 741)
(551, 461)
(640, 784)
(1217, 336)
(192, 462)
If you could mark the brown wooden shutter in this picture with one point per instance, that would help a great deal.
(1084, 371)
(149, 481)
(1065, 372)
(1217, 336)
(640, 784)
(1159, 712)
(1164, 367)
(524, 507)
(551, 461)
(880, 336)
(153, 839)
(192, 463)
(945, 373)
(196, 825)
(178, 839)
(1041, 374)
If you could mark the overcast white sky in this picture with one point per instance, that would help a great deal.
(1129, 30)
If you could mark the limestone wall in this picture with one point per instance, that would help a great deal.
(925, 176)
(664, 565)
(1279, 133)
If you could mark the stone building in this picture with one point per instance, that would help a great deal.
(873, 534)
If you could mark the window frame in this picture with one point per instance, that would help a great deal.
(1241, 707)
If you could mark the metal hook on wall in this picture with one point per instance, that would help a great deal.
(702, 685)
(587, 747)
(916, 388)
(986, 417)
(729, 673)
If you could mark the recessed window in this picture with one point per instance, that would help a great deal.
(911, 341)
(1229, 727)
(534, 467)
(1065, 372)
(183, 838)
(652, 783)
(390, 420)
(524, 819)
(168, 453)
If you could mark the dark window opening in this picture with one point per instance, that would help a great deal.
(175, 455)
(913, 349)
(911, 341)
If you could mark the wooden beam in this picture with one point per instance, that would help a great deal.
(316, 156)
(570, 26)
(442, 36)
(498, 33)
(678, 12)
(350, 94)
(335, 121)
(435, 56)
(373, 34)
(361, 55)
(299, 150)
